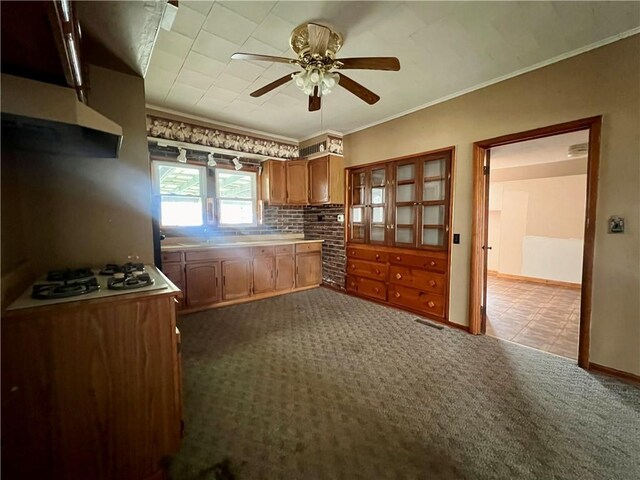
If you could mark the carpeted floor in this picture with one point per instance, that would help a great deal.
(320, 385)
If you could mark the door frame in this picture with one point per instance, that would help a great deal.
(480, 221)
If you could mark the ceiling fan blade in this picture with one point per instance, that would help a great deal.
(318, 39)
(262, 58)
(314, 101)
(357, 89)
(271, 86)
(371, 63)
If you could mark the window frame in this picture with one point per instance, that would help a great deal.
(202, 173)
(255, 196)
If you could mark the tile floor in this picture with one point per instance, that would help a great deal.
(546, 317)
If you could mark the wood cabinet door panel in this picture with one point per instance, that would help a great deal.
(285, 271)
(308, 269)
(297, 182)
(417, 278)
(308, 247)
(415, 299)
(174, 273)
(372, 270)
(319, 180)
(236, 279)
(171, 257)
(277, 183)
(203, 284)
(263, 274)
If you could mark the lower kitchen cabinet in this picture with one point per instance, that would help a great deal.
(203, 283)
(308, 269)
(285, 271)
(236, 279)
(263, 274)
(100, 395)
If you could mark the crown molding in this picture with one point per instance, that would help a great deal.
(220, 124)
(319, 134)
(559, 58)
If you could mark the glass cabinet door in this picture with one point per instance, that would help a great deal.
(378, 206)
(358, 204)
(406, 193)
(433, 221)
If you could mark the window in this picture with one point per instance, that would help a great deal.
(182, 191)
(236, 197)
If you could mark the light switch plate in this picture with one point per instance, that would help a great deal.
(616, 224)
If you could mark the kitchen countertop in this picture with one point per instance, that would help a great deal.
(213, 245)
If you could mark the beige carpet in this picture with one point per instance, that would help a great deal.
(320, 385)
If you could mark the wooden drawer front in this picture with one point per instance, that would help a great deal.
(363, 254)
(308, 247)
(284, 249)
(174, 273)
(436, 264)
(367, 287)
(217, 254)
(168, 257)
(417, 278)
(257, 251)
(415, 299)
(373, 270)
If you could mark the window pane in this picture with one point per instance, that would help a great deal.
(377, 215)
(377, 195)
(356, 214)
(235, 185)
(180, 211)
(179, 180)
(233, 212)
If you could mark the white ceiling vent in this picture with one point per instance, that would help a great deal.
(578, 150)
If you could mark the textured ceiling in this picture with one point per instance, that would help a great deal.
(444, 48)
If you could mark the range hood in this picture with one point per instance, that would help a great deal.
(44, 118)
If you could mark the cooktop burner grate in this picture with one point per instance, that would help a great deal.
(131, 282)
(111, 268)
(63, 290)
(69, 274)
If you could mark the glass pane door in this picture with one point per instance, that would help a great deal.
(434, 194)
(434, 173)
(357, 214)
(406, 199)
(358, 186)
(378, 206)
(357, 224)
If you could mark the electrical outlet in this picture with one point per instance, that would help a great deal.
(340, 217)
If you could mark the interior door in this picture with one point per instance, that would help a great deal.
(485, 240)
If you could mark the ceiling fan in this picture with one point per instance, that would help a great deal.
(316, 47)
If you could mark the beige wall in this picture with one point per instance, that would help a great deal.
(67, 212)
(600, 82)
(553, 208)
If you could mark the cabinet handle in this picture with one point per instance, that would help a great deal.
(430, 304)
(224, 280)
(277, 273)
(432, 263)
(432, 283)
(176, 300)
(216, 281)
(397, 295)
(377, 290)
(398, 276)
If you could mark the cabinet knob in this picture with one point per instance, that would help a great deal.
(432, 263)
(353, 252)
(377, 272)
(397, 295)
(398, 258)
(432, 283)
(353, 266)
(430, 304)
(398, 276)
(353, 284)
(377, 290)
(377, 256)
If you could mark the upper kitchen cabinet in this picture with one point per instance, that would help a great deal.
(274, 182)
(326, 180)
(297, 182)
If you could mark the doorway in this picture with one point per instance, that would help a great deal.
(480, 275)
(537, 195)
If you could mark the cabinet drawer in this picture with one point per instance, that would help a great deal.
(284, 249)
(308, 247)
(417, 278)
(367, 287)
(257, 251)
(168, 257)
(217, 254)
(361, 268)
(419, 300)
(364, 254)
(174, 272)
(429, 262)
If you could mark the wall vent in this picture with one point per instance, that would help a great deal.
(578, 150)
(311, 149)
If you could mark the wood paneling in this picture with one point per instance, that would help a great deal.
(308, 269)
(236, 279)
(203, 283)
(297, 182)
(285, 272)
(98, 395)
(263, 274)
